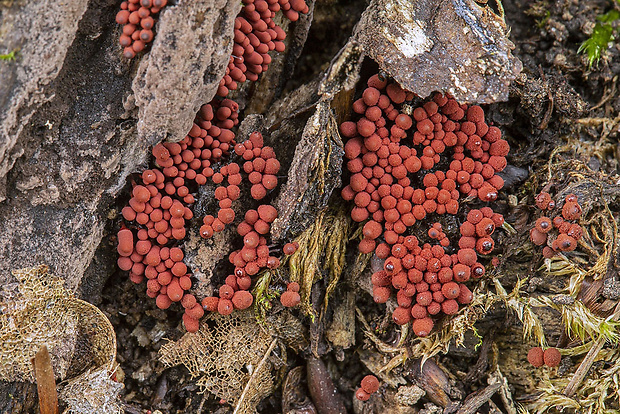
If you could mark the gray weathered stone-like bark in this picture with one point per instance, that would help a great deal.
(69, 134)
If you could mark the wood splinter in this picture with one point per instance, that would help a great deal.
(46, 384)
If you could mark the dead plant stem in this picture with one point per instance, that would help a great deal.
(255, 374)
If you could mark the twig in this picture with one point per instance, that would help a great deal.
(255, 374)
(471, 405)
(202, 403)
(584, 367)
(607, 97)
(587, 362)
(46, 384)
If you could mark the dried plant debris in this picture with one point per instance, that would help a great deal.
(321, 253)
(93, 393)
(598, 393)
(316, 168)
(454, 46)
(39, 311)
(587, 380)
(341, 331)
(295, 393)
(230, 355)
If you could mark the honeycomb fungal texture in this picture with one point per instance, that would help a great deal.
(41, 312)
(220, 353)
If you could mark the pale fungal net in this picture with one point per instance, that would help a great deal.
(226, 354)
(37, 311)
(93, 392)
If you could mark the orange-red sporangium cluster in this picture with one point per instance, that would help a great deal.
(412, 164)
(160, 209)
(369, 385)
(563, 232)
(256, 34)
(138, 18)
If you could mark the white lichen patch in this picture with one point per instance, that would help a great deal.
(412, 39)
(453, 45)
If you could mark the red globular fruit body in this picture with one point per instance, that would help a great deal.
(552, 357)
(370, 384)
(535, 357)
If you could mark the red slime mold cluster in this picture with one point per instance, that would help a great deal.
(138, 18)
(159, 211)
(550, 357)
(563, 231)
(256, 34)
(261, 167)
(407, 164)
(369, 385)
(291, 297)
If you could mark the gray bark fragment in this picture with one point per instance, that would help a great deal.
(453, 46)
(184, 67)
(41, 32)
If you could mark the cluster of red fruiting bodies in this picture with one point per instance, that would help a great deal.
(568, 231)
(256, 34)
(409, 163)
(159, 210)
(369, 385)
(550, 357)
(138, 20)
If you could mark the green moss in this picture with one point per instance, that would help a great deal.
(601, 36)
(11, 56)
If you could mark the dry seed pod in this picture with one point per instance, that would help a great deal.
(431, 379)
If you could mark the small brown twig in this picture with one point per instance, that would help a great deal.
(472, 404)
(46, 384)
